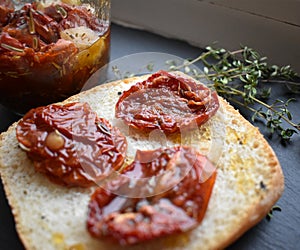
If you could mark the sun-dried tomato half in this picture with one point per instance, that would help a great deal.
(71, 144)
(170, 209)
(168, 102)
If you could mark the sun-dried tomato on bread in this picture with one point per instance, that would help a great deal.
(168, 102)
(163, 192)
(71, 144)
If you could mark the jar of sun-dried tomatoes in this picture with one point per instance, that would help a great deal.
(49, 48)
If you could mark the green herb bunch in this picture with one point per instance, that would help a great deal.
(240, 77)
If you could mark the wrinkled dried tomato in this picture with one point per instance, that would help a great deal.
(71, 144)
(6, 8)
(168, 209)
(168, 102)
(75, 16)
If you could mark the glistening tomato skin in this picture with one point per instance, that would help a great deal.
(70, 144)
(168, 102)
(179, 208)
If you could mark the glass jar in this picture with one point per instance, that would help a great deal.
(49, 48)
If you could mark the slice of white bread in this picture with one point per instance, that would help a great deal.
(249, 182)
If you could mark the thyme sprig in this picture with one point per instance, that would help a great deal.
(240, 77)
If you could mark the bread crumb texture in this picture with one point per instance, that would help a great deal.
(249, 181)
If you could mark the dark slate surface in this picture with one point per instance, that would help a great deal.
(282, 232)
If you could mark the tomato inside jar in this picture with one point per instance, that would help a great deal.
(123, 212)
(70, 144)
(49, 50)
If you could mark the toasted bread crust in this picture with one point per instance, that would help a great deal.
(259, 210)
(249, 175)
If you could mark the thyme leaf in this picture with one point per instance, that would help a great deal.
(270, 214)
